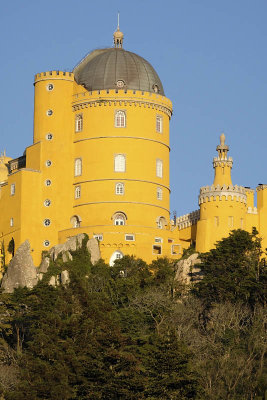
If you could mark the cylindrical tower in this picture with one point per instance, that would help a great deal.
(121, 154)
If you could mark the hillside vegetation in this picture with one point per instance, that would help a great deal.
(133, 331)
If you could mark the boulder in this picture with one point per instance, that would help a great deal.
(21, 271)
(65, 278)
(188, 270)
(93, 248)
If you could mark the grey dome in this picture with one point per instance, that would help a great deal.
(102, 69)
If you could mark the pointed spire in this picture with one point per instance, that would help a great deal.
(118, 35)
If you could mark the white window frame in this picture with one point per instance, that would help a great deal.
(12, 189)
(129, 237)
(119, 163)
(159, 123)
(155, 247)
(159, 168)
(119, 188)
(158, 240)
(78, 167)
(159, 193)
(78, 123)
(120, 119)
(99, 236)
(11, 221)
(77, 192)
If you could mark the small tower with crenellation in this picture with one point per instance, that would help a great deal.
(223, 206)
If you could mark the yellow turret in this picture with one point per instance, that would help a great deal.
(222, 164)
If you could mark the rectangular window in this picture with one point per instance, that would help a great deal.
(158, 240)
(119, 163)
(159, 123)
(12, 189)
(159, 193)
(119, 188)
(129, 237)
(78, 122)
(156, 249)
(78, 167)
(230, 222)
(159, 168)
(11, 222)
(98, 236)
(170, 240)
(77, 192)
(176, 249)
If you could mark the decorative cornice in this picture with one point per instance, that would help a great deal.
(211, 192)
(121, 103)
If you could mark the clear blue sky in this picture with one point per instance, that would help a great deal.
(209, 54)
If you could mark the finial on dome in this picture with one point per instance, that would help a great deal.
(118, 35)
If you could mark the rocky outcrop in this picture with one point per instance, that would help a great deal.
(188, 270)
(21, 271)
(93, 248)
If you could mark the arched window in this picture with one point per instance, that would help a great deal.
(115, 256)
(159, 123)
(77, 192)
(159, 193)
(159, 168)
(78, 167)
(75, 221)
(119, 163)
(120, 119)
(78, 122)
(161, 222)
(119, 218)
(119, 188)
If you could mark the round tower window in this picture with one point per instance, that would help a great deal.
(48, 163)
(49, 136)
(48, 182)
(120, 83)
(47, 222)
(49, 112)
(47, 202)
(50, 87)
(46, 243)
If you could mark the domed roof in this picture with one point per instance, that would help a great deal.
(117, 68)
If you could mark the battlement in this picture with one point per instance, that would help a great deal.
(188, 219)
(219, 162)
(261, 187)
(252, 210)
(48, 75)
(127, 94)
(208, 193)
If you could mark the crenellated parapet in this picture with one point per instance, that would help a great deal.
(261, 187)
(188, 219)
(252, 210)
(53, 75)
(209, 193)
(218, 162)
(116, 97)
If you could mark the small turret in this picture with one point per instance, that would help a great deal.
(222, 164)
(118, 36)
